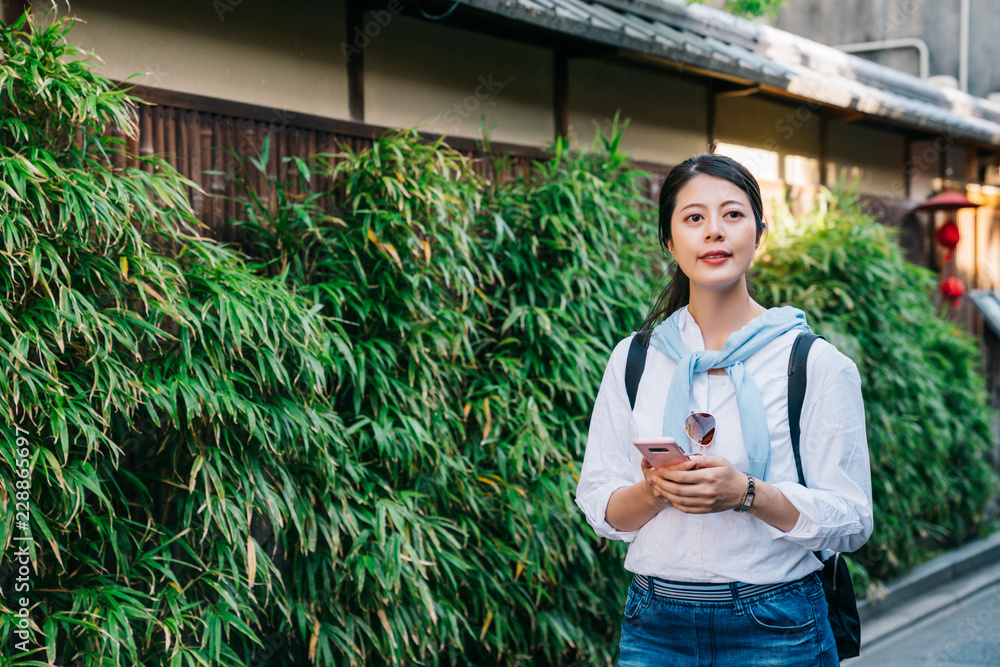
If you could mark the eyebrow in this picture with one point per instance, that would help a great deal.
(725, 203)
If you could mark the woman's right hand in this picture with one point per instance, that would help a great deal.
(630, 507)
(654, 479)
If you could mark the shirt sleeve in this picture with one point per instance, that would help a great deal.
(835, 506)
(607, 464)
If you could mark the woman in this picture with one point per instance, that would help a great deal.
(714, 586)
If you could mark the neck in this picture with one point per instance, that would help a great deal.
(720, 313)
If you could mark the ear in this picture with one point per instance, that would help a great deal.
(670, 246)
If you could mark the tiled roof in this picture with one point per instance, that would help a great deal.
(715, 41)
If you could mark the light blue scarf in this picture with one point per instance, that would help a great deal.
(741, 344)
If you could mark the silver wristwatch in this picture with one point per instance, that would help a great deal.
(747, 497)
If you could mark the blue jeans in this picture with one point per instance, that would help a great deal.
(784, 627)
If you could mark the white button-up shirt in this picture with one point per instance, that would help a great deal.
(835, 511)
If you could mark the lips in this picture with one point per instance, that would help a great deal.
(716, 255)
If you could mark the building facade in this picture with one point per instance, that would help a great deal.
(690, 78)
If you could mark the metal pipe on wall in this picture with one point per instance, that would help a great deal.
(901, 43)
(963, 48)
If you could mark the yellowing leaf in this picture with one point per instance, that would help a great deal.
(518, 570)
(427, 253)
(152, 292)
(198, 463)
(489, 420)
(429, 603)
(487, 480)
(251, 562)
(385, 247)
(466, 410)
(385, 624)
(486, 624)
(313, 643)
(54, 466)
(123, 265)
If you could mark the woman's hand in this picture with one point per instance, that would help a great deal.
(714, 484)
(655, 479)
(630, 507)
(711, 484)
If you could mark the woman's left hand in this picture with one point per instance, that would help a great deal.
(714, 486)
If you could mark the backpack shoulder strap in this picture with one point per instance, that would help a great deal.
(635, 364)
(797, 391)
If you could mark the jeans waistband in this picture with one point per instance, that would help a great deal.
(683, 590)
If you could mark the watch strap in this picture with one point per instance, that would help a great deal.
(747, 497)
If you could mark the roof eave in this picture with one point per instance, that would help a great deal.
(720, 68)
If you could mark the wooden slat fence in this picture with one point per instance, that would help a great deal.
(203, 146)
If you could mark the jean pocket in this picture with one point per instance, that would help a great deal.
(788, 613)
(633, 602)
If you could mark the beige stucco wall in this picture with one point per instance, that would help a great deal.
(285, 57)
(775, 141)
(441, 79)
(874, 155)
(668, 114)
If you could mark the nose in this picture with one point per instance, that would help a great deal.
(713, 227)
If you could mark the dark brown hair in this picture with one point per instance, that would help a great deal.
(677, 293)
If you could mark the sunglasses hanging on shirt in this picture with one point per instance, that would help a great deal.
(700, 429)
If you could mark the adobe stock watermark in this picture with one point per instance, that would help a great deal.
(260, 655)
(223, 7)
(363, 35)
(485, 91)
(21, 560)
(972, 628)
(897, 16)
(153, 80)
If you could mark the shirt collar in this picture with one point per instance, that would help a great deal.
(690, 331)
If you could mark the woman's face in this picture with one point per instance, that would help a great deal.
(713, 233)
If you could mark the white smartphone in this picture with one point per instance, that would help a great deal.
(661, 452)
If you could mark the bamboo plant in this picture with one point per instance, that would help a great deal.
(169, 399)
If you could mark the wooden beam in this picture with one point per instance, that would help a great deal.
(907, 164)
(824, 148)
(560, 93)
(743, 92)
(355, 62)
(710, 93)
(11, 10)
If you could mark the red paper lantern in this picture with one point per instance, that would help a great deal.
(952, 289)
(948, 236)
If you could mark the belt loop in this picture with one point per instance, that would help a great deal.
(649, 591)
(737, 601)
